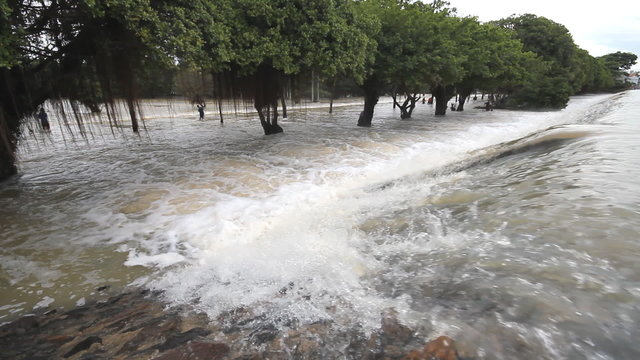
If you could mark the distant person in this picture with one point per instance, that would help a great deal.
(424, 99)
(44, 120)
(453, 106)
(201, 110)
(430, 100)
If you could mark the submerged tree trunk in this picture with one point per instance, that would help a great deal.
(284, 107)
(332, 95)
(217, 91)
(464, 94)
(7, 150)
(370, 100)
(407, 107)
(132, 113)
(442, 94)
(267, 93)
(268, 114)
(18, 100)
(127, 78)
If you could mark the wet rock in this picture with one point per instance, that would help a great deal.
(149, 334)
(181, 338)
(139, 326)
(283, 290)
(83, 345)
(58, 339)
(20, 326)
(263, 334)
(442, 348)
(393, 351)
(103, 288)
(249, 357)
(393, 332)
(196, 351)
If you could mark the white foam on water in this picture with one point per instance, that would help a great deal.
(46, 301)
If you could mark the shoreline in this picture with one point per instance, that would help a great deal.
(138, 325)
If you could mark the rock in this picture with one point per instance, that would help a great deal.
(20, 326)
(263, 334)
(414, 355)
(395, 333)
(140, 326)
(442, 348)
(196, 351)
(83, 345)
(181, 338)
(58, 339)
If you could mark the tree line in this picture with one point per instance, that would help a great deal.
(95, 52)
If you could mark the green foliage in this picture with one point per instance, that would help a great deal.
(494, 58)
(560, 68)
(331, 37)
(619, 61)
(415, 46)
(10, 38)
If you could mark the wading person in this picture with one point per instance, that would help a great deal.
(44, 120)
(201, 110)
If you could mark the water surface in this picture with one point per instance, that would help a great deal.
(516, 233)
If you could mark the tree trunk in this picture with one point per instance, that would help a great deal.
(217, 93)
(412, 98)
(284, 107)
(7, 149)
(442, 94)
(7, 163)
(268, 114)
(127, 81)
(267, 91)
(7, 157)
(220, 110)
(332, 95)
(464, 94)
(406, 109)
(370, 100)
(132, 114)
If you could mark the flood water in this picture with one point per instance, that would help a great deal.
(516, 233)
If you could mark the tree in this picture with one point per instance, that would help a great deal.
(549, 81)
(451, 56)
(619, 61)
(272, 40)
(414, 50)
(81, 51)
(493, 59)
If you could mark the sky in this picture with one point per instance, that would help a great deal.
(596, 26)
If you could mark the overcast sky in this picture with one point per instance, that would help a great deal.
(600, 27)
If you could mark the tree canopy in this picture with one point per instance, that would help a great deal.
(619, 61)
